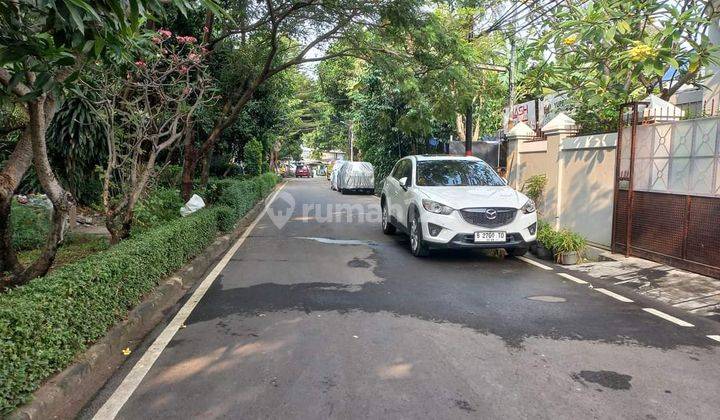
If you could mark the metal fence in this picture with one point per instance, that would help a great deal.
(667, 190)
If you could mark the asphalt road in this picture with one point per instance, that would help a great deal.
(329, 318)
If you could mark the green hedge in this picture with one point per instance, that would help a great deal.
(47, 323)
(239, 193)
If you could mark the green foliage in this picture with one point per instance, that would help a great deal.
(568, 241)
(30, 226)
(614, 51)
(253, 157)
(534, 186)
(45, 324)
(74, 247)
(77, 145)
(170, 176)
(546, 234)
(241, 195)
(226, 218)
(38, 38)
(160, 206)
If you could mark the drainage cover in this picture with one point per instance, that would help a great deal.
(551, 299)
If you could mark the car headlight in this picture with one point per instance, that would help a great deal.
(528, 207)
(435, 207)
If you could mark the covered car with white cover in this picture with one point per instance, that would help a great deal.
(356, 176)
(334, 174)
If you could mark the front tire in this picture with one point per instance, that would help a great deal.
(387, 227)
(418, 247)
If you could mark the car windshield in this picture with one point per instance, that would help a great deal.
(461, 173)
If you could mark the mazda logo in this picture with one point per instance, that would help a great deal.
(491, 214)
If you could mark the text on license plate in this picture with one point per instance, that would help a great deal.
(489, 236)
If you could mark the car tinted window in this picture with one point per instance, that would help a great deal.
(437, 173)
(396, 170)
(407, 170)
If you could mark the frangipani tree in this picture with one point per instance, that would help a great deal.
(43, 46)
(606, 52)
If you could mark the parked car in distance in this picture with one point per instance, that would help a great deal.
(356, 177)
(335, 172)
(303, 171)
(455, 202)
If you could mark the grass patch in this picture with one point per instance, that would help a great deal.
(76, 247)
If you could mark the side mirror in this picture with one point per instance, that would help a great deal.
(403, 182)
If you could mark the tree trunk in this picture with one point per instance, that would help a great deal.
(10, 177)
(119, 226)
(205, 173)
(40, 113)
(189, 163)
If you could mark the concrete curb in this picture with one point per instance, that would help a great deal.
(66, 393)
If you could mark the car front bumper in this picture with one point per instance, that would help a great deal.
(457, 233)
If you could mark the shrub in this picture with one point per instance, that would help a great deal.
(30, 226)
(226, 218)
(568, 241)
(534, 186)
(546, 235)
(158, 207)
(253, 157)
(46, 323)
(170, 176)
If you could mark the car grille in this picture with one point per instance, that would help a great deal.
(483, 216)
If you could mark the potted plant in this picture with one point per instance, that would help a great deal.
(545, 240)
(568, 247)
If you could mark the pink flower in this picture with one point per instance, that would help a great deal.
(186, 39)
(183, 70)
(206, 29)
(141, 64)
(195, 58)
(165, 33)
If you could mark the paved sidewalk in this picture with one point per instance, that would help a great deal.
(692, 292)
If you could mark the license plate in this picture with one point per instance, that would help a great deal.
(489, 236)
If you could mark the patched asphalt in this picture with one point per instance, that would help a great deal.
(337, 320)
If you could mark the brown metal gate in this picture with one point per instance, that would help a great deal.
(667, 190)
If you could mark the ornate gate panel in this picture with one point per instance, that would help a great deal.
(667, 191)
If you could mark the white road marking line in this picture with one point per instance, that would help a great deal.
(714, 337)
(667, 317)
(114, 404)
(535, 263)
(614, 295)
(572, 278)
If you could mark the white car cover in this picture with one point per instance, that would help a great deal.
(334, 174)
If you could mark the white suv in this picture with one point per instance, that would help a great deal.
(455, 202)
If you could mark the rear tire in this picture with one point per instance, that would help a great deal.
(517, 252)
(418, 247)
(387, 227)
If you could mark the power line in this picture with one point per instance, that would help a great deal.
(536, 18)
(529, 9)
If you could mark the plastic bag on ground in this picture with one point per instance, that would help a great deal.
(194, 204)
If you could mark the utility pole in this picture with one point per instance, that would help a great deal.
(352, 141)
(469, 110)
(511, 78)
